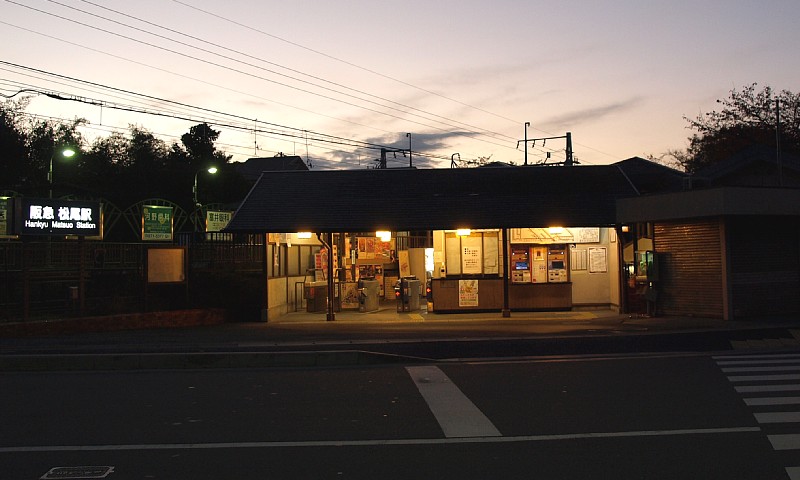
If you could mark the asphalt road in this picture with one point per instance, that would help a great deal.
(656, 416)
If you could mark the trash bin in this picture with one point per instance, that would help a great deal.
(316, 295)
(369, 296)
(406, 290)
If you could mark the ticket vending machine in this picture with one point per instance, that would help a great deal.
(520, 266)
(557, 264)
(539, 264)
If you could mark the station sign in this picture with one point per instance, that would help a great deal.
(56, 217)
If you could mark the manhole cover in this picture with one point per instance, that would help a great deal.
(77, 472)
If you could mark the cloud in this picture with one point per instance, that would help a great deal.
(577, 117)
(422, 144)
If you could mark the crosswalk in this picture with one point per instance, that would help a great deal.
(776, 342)
(770, 385)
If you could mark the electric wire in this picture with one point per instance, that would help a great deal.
(240, 71)
(254, 131)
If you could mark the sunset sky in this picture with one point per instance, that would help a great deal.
(334, 81)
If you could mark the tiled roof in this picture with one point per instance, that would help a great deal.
(431, 199)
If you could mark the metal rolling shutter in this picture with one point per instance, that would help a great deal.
(690, 253)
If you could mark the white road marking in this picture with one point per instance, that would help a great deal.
(456, 413)
(793, 472)
(724, 363)
(763, 378)
(767, 388)
(777, 417)
(789, 441)
(371, 443)
(752, 402)
(749, 357)
(774, 368)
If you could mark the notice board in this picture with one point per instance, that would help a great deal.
(166, 265)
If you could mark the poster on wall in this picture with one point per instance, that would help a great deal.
(468, 293)
(471, 255)
(598, 260)
(350, 295)
(404, 264)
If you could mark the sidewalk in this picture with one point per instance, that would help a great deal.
(309, 339)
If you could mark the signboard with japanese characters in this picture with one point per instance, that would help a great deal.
(217, 220)
(5, 217)
(37, 216)
(157, 223)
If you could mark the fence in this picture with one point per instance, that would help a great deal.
(57, 279)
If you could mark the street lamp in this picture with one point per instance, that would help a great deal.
(212, 171)
(66, 152)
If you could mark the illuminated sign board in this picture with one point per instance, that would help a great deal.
(37, 216)
(5, 217)
(157, 223)
(217, 220)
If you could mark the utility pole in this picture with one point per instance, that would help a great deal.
(569, 160)
(527, 124)
(410, 163)
(778, 141)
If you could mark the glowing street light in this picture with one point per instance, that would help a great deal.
(66, 152)
(212, 171)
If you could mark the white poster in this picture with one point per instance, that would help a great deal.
(598, 260)
(471, 255)
(471, 260)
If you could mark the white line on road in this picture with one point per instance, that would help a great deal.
(371, 443)
(763, 378)
(777, 417)
(759, 401)
(748, 357)
(456, 413)
(758, 362)
(789, 441)
(793, 472)
(774, 368)
(767, 388)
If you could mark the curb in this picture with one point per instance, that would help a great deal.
(177, 361)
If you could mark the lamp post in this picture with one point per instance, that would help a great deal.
(527, 124)
(66, 152)
(212, 171)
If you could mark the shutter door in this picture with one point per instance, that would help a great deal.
(690, 269)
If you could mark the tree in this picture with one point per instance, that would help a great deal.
(15, 170)
(747, 117)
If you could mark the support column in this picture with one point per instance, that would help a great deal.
(506, 309)
(331, 310)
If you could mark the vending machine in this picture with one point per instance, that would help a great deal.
(557, 264)
(520, 266)
(539, 264)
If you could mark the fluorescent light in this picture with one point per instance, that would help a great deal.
(384, 235)
(463, 232)
(303, 234)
